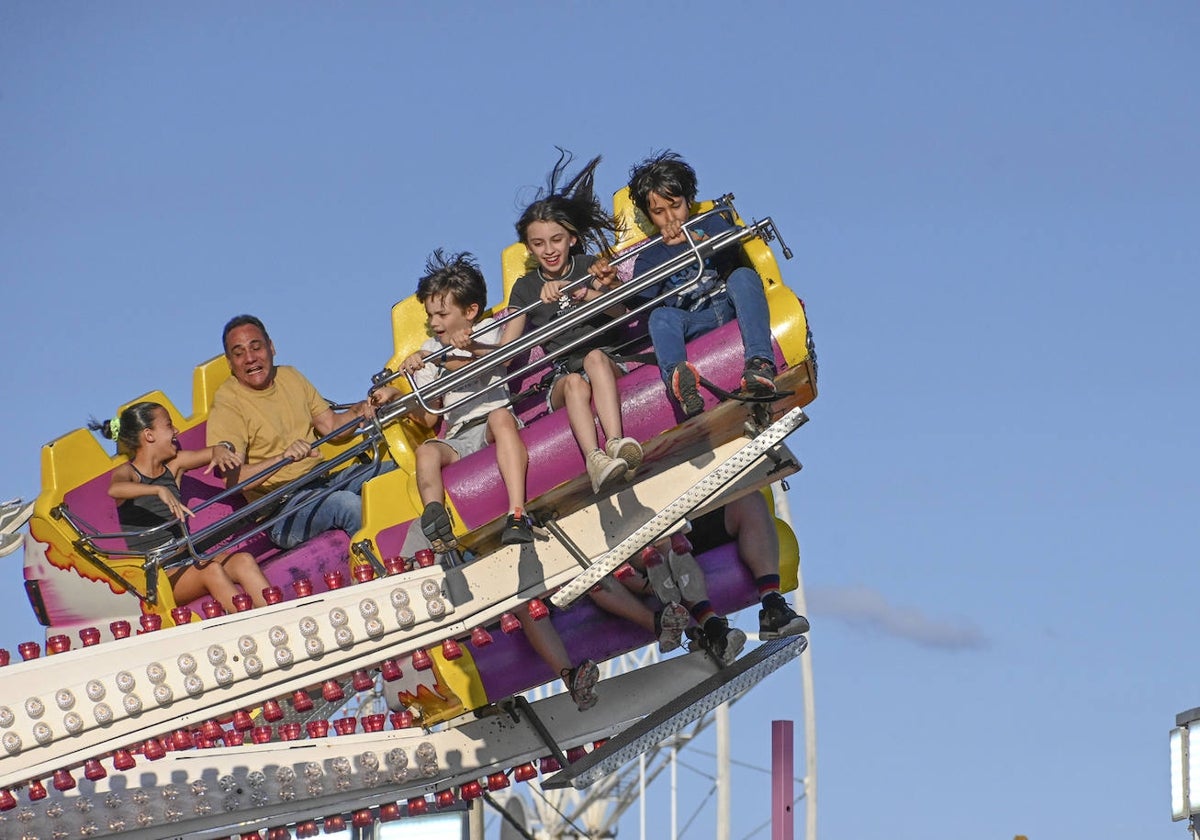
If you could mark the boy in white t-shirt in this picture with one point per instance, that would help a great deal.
(455, 294)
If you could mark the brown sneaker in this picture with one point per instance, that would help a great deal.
(628, 450)
(603, 470)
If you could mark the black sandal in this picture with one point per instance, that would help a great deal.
(435, 525)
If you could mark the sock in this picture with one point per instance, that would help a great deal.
(766, 585)
(702, 612)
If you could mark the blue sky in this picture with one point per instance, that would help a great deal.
(995, 217)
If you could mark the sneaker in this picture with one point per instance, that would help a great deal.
(435, 525)
(603, 470)
(685, 380)
(14, 514)
(625, 449)
(662, 582)
(776, 620)
(723, 642)
(516, 530)
(10, 543)
(758, 380)
(669, 623)
(688, 576)
(581, 683)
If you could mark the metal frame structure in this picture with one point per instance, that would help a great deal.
(598, 809)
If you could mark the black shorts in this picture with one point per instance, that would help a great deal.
(708, 531)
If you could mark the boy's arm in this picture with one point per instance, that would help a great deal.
(422, 417)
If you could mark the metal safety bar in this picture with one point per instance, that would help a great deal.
(168, 555)
(422, 397)
(561, 324)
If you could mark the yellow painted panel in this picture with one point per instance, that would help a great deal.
(461, 677)
(206, 379)
(515, 263)
(408, 332)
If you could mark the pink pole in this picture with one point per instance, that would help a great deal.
(782, 815)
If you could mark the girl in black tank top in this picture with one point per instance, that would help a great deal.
(147, 491)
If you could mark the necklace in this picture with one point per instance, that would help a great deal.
(567, 273)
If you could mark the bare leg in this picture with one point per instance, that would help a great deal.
(603, 373)
(749, 520)
(209, 579)
(243, 569)
(544, 639)
(432, 456)
(574, 392)
(616, 599)
(511, 455)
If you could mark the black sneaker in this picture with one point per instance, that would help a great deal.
(723, 642)
(685, 382)
(435, 525)
(776, 620)
(581, 683)
(758, 380)
(516, 530)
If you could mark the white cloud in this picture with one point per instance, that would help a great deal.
(867, 608)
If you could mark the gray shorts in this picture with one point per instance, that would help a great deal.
(470, 440)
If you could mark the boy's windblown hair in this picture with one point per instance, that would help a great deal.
(574, 206)
(457, 275)
(665, 173)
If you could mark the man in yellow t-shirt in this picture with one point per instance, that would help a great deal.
(269, 415)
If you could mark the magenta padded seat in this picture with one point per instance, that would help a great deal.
(510, 665)
(326, 552)
(474, 483)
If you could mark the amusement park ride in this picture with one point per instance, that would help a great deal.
(144, 718)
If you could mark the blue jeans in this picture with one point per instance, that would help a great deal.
(340, 508)
(743, 298)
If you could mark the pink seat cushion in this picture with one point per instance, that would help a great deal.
(474, 483)
(325, 553)
(510, 665)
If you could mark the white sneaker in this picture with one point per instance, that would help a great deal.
(10, 543)
(688, 574)
(659, 574)
(14, 514)
(626, 449)
(603, 470)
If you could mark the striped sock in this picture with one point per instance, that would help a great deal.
(702, 612)
(766, 585)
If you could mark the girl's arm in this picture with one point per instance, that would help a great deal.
(552, 291)
(125, 485)
(513, 329)
(220, 457)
